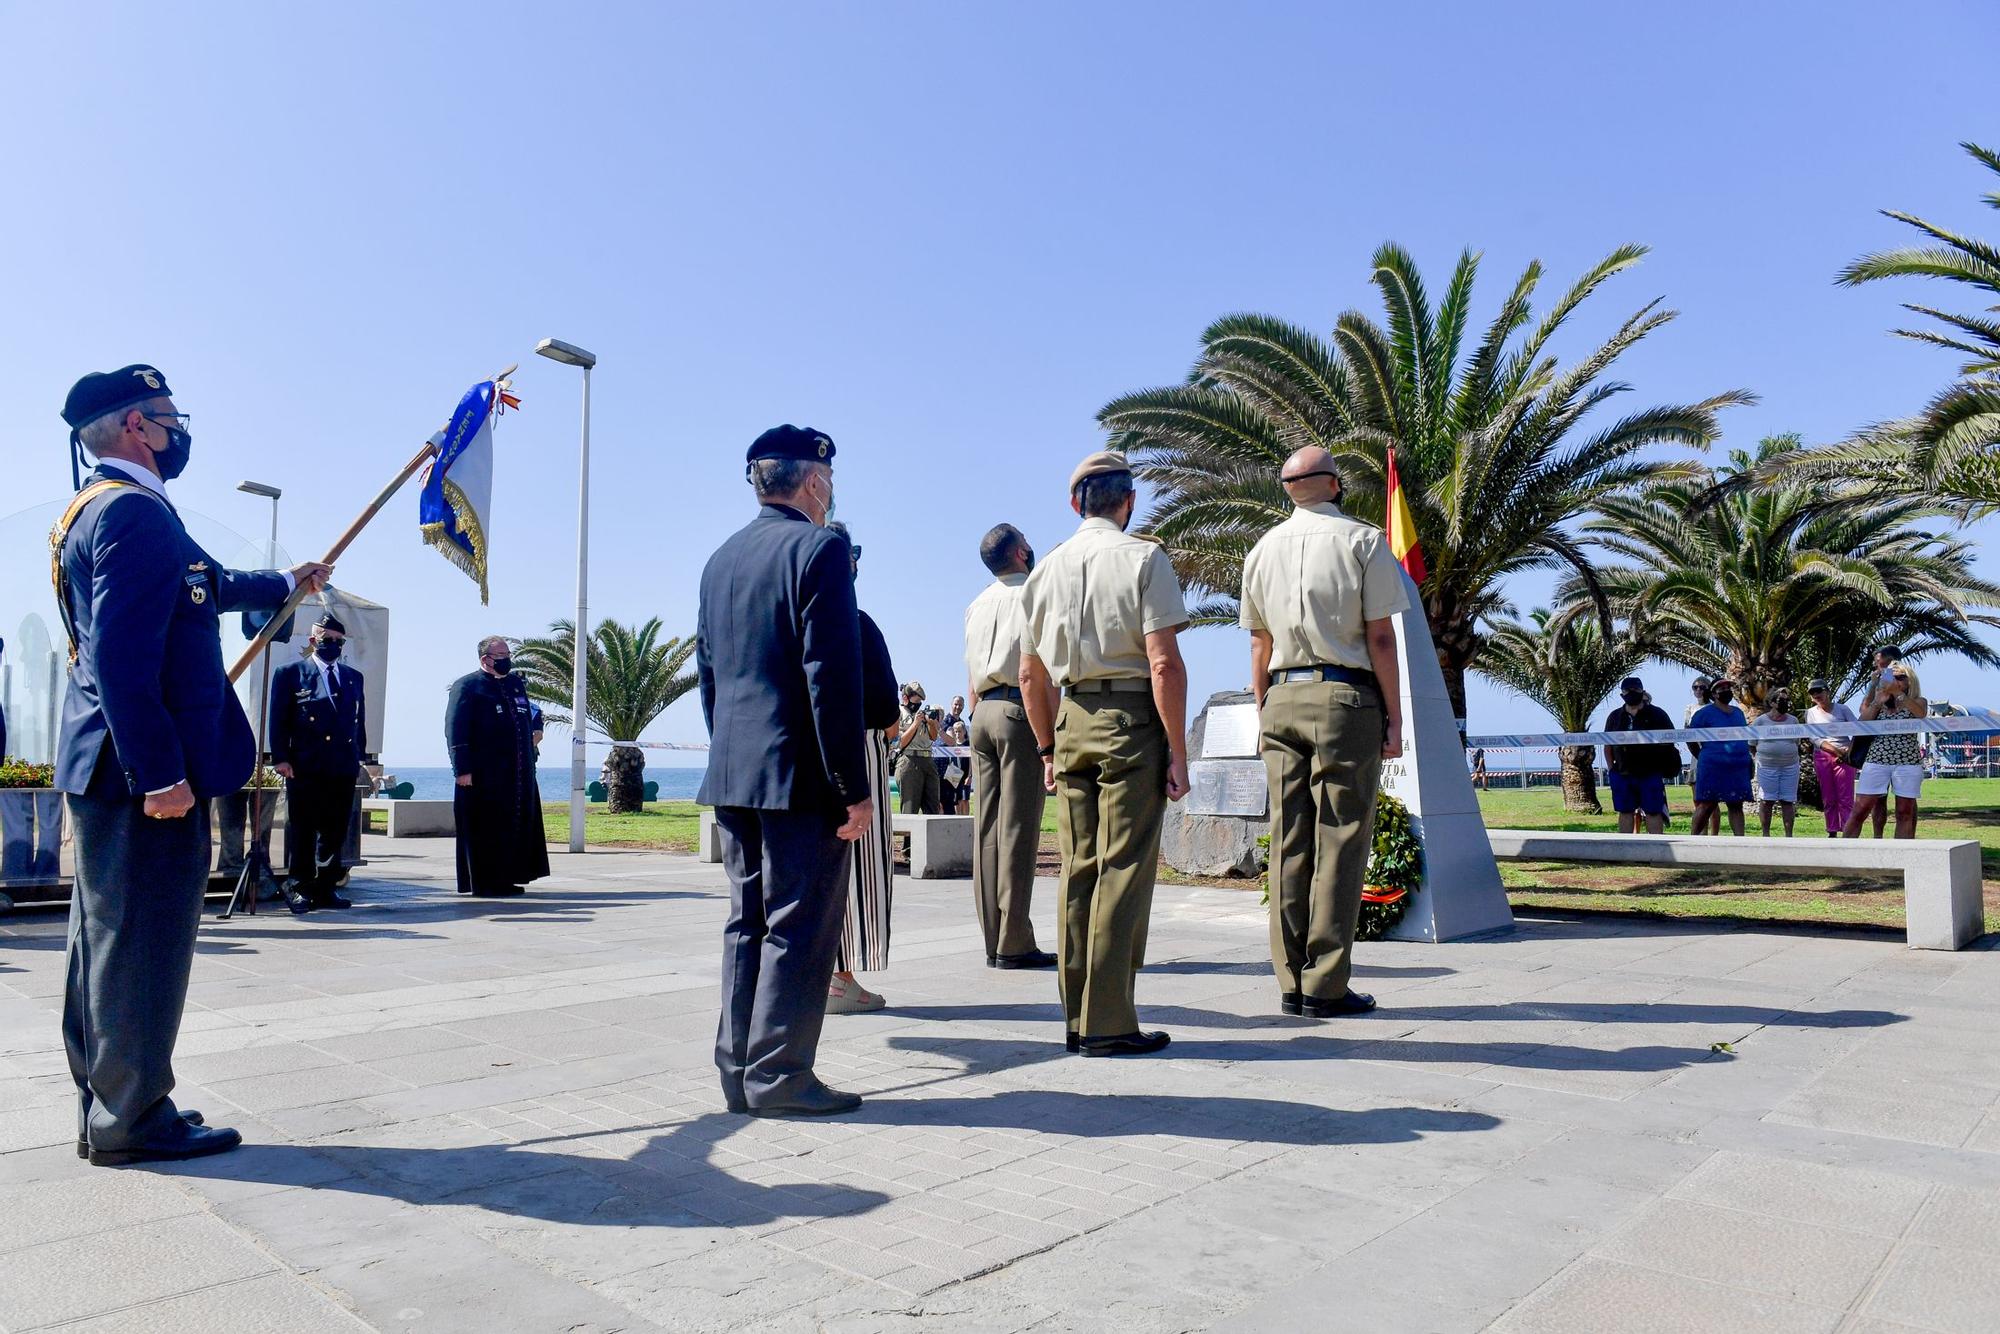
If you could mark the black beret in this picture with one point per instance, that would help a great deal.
(101, 392)
(328, 621)
(792, 442)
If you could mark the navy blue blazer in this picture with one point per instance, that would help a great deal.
(778, 652)
(146, 602)
(310, 730)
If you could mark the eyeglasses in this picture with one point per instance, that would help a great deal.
(1323, 472)
(173, 421)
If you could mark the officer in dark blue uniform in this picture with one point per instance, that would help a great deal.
(779, 658)
(150, 733)
(319, 731)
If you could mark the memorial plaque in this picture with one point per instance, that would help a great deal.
(1227, 787)
(1232, 732)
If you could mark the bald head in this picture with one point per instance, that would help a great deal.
(1309, 478)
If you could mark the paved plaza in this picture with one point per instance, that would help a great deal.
(494, 1116)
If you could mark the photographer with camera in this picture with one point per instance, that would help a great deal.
(916, 772)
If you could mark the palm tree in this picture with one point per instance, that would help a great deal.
(1565, 663)
(1493, 448)
(632, 676)
(1771, 581)
(1950, 451)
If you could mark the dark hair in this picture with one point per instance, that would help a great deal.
(1104, 495)
(1003, 541)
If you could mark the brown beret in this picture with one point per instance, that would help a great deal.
(1098, 465)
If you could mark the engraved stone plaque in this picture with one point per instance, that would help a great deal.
(1232, 732)
(1227, 787)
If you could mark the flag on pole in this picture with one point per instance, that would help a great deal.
(458, 481)
(1403, 526)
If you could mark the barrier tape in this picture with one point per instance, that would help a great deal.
(1974, 720)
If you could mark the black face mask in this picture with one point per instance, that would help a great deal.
(1633, 701)
(173, 460)
(327, 650)
(502, 666)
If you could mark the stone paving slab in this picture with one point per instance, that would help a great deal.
(503, 1115)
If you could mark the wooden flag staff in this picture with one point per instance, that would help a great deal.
(299, 594)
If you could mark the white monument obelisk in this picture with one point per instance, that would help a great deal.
(1461, 893)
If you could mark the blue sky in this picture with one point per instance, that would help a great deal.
(946, 235)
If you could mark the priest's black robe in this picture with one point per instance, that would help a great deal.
(490, 726)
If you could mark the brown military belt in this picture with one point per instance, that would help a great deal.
(1123, 685)
(1354, 676)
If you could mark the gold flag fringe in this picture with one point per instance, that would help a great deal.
(467, 522)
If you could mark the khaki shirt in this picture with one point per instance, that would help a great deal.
(920, 740)
(1314, 581)
(993, 635)
(1088, 607)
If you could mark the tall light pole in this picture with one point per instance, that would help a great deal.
(256, 856)
(571, 355)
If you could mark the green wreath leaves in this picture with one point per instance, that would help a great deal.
(1395, 870)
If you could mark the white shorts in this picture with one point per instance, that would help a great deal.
(1877, 780)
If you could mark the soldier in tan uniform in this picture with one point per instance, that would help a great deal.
(1100, 622)
(1318, 594)
(1006, 772)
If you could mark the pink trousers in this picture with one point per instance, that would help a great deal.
(1836, 790)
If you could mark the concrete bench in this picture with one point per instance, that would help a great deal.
(411, 818)
(1943, 908)
(940, 845)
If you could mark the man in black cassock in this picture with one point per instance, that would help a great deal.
(491, 729)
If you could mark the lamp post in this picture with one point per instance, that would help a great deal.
(256, 856)
(571, 355)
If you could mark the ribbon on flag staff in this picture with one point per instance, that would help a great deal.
(458, 485)
(1973, 720)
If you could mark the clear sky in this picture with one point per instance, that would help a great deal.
(944, 234)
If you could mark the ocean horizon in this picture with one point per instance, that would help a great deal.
(434, 782)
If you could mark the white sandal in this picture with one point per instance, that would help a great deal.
(859, 1000)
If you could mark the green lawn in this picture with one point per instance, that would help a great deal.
(671, 826)
(1950, 808)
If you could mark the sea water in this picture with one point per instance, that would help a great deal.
(676, 784)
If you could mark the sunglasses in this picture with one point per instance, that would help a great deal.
(1323, 472)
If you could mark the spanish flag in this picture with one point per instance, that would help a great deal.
(1403, 525)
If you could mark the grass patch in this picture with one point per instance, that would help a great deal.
(668, 826)
(1950, 808)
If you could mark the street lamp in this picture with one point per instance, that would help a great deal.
(569, 354)
(256, 856)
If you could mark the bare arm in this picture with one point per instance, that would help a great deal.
(1169, 674)
(1389, 676)
(1260, 664)
(1038, 697)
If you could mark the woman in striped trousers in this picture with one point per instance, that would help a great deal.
(864, 935)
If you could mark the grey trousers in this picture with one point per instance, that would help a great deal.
(788, 873)
(132, 921)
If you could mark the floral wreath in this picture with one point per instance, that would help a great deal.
(1395, 870)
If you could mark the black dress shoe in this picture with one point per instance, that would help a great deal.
(1126, 1044)
(297, 902)
(1032, 959)
(1354, 1002)
(326, 898)
(1071, 1042)
(816, 1101)
(1290, 1003)
(182, 1140)
(992, 961)
(193, 1118)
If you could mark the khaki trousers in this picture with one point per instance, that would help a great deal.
(1007, 824)
(1322, 744)
(1111, 793)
